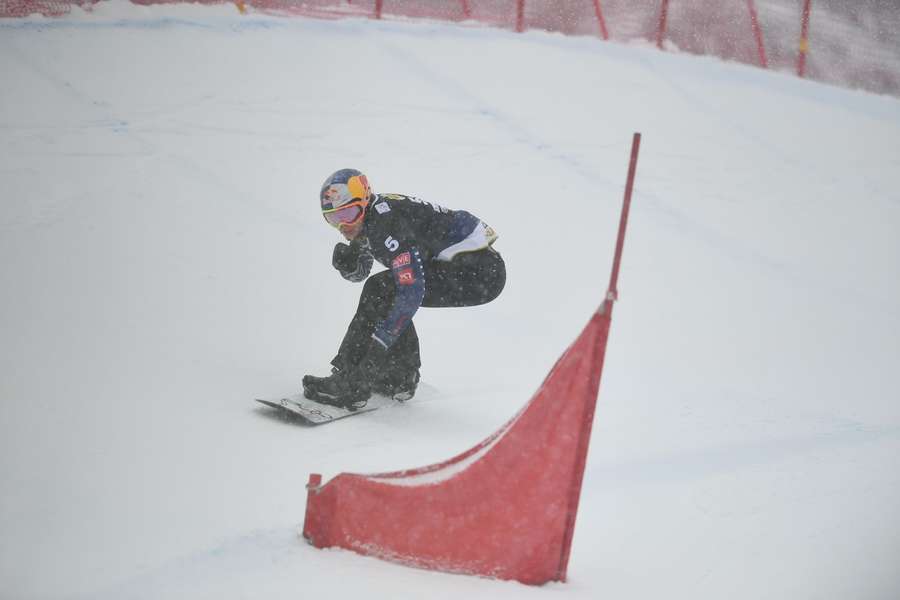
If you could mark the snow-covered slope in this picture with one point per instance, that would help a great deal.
(163, 262)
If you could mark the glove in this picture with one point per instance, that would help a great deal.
(345, 257)
(352, 261)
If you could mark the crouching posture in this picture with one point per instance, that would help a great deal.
(436, 257)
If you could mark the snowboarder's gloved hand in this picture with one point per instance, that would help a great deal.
(345, 257)
(351, 261)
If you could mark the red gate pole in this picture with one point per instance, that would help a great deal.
(613, 291)
(379, 4)
(315, 481)
(587, 419)
(663, 16)
(757, 31)
(804, 39)
(520, 16)
(599, 12)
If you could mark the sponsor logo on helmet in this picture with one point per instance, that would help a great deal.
(343, 187)
(331, 197)
(358, 187)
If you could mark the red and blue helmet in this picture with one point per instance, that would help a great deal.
(344, 197)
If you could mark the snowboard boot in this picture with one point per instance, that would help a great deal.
(401, 388)
(336, 390)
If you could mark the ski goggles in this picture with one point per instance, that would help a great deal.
(346, 215)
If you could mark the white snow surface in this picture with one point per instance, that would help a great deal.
(163, 262)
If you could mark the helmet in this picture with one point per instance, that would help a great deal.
(344, 197)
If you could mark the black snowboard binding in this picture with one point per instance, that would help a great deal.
(400, 388)
(338, 389)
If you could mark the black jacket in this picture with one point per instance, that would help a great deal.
(404, 234)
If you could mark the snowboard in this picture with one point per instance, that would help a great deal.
(316, 413)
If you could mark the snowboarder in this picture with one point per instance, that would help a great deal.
(436, 257)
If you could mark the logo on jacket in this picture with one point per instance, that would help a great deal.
(401, 261)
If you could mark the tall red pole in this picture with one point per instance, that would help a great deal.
(587, 418)
(613, 292)
(599, 12)
(804, 39)
(379, 4)
(757, 32)
(520, 16)
(467, 9)
(663, 17)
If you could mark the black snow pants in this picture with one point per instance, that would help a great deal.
(470, 279)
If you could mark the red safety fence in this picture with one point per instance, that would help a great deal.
(852, 44)
(48, 8)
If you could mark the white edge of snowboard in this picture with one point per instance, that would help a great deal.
(315, 413)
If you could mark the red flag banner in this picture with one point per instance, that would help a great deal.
(505, 508)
